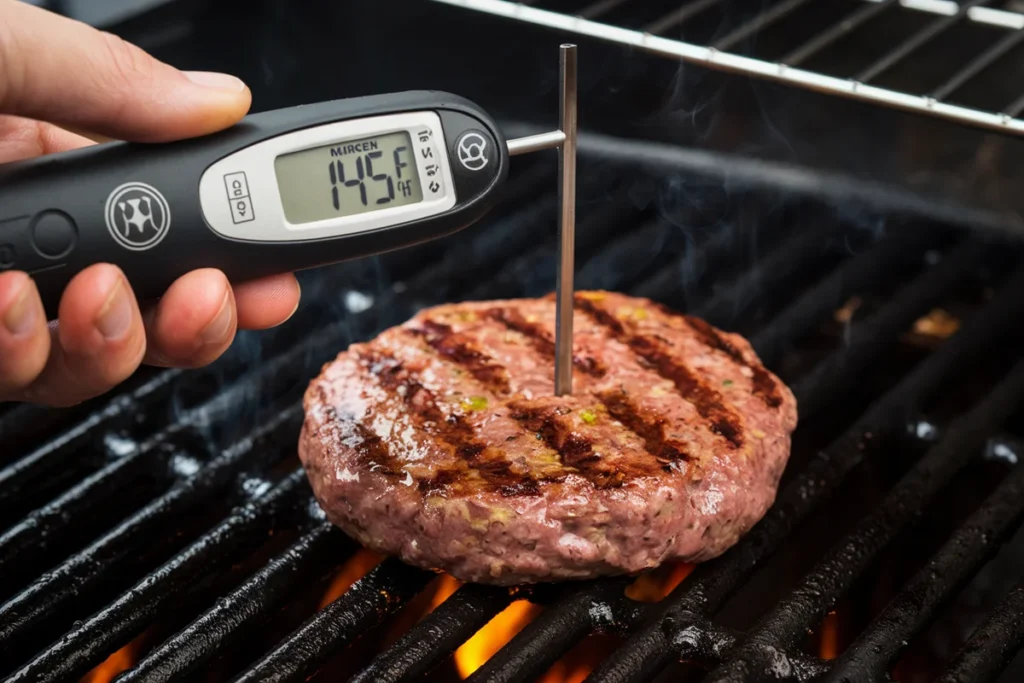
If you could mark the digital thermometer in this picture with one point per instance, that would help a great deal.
(281, 191)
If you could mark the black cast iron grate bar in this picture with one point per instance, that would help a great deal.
(45, 526)
(50, 519)
(521, 275)
(437, 636)
(992, 645)
(323, 547)
(17, 477)
(819, 590)
(870, 339)
(365, 605)
(50, 593)
(545, 639)
(89, 642)
(951, 568)
(787, 263)
(857, 275)
(671, 280)
(649, 650)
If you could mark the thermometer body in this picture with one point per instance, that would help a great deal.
(280, 191)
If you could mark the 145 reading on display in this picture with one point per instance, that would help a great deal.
(348, 178)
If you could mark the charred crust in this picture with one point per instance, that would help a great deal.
(450, 430)
(722, 420)
(574, 450)
(542, 340)
(371, 451)
(651, 429)
(764, 385)
(459, 349)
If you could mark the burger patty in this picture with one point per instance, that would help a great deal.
(441, 441)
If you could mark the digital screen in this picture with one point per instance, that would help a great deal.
(348, 178)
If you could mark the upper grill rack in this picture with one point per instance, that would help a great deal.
(938, 21)
(179, 528)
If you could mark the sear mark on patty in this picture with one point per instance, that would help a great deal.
(764, 385)
(551, 423)
(542, 340)
(372, 451)
(650, 428)
(460, 349)
(450, 429)
(722, 419)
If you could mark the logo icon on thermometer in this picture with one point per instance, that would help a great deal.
(472, 150)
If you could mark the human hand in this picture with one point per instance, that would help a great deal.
(58, 76)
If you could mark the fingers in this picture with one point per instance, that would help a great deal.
(197, 319)
(63, 71)
(98, 343)
(101, 337)
(267, 302)
(194, 323)
(24, 337)
(24, 138)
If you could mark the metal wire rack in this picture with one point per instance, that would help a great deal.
(995, 33)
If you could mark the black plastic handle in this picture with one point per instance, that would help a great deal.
(53, 209)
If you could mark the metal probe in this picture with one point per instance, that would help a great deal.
(565, 140)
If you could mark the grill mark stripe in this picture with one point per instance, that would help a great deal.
(764, 385)
(574, 449)
(722, 420)
(652, 432)
(457, 349)
(372, 451)
(542, 340)
(451, 430)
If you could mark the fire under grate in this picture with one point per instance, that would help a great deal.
(168, 533)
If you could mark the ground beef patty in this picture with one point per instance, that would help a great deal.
(441, 441)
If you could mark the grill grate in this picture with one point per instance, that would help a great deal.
(958, 44)
(179, 511)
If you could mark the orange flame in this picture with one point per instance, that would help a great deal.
(356, 568)
(828, 646)
(437, 591)
(120, 661)
(495, 635)
(655, 585)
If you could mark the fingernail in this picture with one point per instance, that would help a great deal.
(20, 318)
(217, 330)
(116, 315)
(212, 79)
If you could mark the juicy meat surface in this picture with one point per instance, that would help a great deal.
(441, 441)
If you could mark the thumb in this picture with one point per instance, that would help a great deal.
(63, 71)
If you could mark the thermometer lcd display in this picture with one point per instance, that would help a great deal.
(348, 178)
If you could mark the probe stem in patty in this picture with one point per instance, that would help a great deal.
(566, 222)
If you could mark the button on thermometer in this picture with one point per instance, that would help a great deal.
(281, 191)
